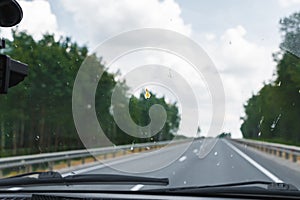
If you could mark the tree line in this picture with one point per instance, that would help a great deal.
(36, 115)
(273, 113)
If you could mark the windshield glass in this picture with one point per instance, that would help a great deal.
(201, 93)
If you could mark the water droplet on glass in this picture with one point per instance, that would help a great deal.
(273, 126)
(231, 156)
(37, 138)
(279, 84)
(68, 83)
(275, 122)
(218, 164)
(131, 148)
(147, 148)
(261, 120)
(174, 173)
(89, 106)
(184, 182)
(216, 153)
(259, 134)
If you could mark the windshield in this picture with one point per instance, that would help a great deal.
(200, 93)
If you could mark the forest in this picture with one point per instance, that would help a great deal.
(36, 115)
(273, 113)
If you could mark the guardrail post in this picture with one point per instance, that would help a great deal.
(69, 163)
(28, 168)
(50, 165)
(261, 148)
(286, 155)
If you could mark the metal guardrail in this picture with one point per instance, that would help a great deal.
(288, 152)
(49, 159)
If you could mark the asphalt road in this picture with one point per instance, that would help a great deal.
(226, 162)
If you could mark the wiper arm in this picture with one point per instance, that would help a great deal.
(50, 178)
(270, 186)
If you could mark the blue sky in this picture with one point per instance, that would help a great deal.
(239, 37)
(259, 18)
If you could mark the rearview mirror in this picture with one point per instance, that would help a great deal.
(12, 72)
(10, 13)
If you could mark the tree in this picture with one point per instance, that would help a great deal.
(273, 113)
(36, 115)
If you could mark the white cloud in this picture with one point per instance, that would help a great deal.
(37, 19)
(288, 3)
(96, 19)
(210, 36)
(244, 66)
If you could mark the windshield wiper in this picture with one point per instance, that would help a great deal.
(55, 178)
(252, 187)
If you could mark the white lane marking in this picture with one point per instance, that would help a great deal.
(14, 188)
(182, 159)
(137, 187)
(254, 163)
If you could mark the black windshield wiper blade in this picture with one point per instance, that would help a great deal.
(55, 178)
(270, 186)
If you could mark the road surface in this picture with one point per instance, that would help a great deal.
(227, 162)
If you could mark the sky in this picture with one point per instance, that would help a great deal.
(238, 36)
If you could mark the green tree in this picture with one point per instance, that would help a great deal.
(36, 115)
(273, 113)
